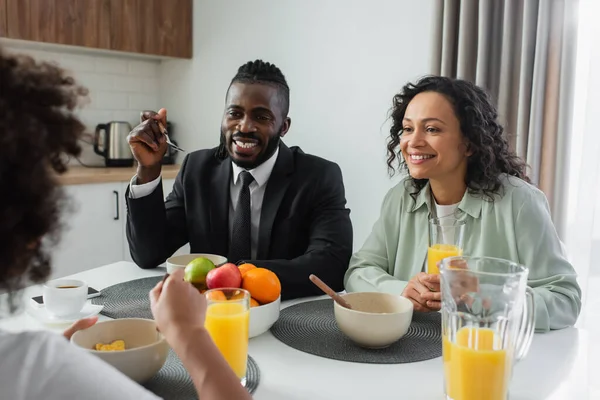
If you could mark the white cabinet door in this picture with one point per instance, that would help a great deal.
(167, 187)
(93, 229)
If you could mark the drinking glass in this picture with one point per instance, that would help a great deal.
(488, 319)
(228, 323)
(446, 237)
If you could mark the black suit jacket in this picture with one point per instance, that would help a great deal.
(304, 226)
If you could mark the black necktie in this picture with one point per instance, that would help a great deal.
(239, 248)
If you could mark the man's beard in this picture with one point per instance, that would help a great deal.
(265, 154)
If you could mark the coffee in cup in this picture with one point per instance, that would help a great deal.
(65, 297)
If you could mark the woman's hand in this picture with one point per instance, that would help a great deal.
(177, 305)
(423, 290)
(79, 326)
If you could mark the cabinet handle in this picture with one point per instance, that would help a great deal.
(117, 204)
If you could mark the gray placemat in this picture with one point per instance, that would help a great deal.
(130, 300)
(310, 327)
(173, 382)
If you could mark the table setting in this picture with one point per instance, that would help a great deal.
(304, 354)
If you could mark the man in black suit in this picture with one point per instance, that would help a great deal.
(251, 199)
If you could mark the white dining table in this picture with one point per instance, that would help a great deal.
(556, 367)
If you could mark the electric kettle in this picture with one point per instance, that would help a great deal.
(113, 146)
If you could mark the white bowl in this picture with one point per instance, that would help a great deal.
(181, 261)
(376, 320)
(145, 351)
(263, 317)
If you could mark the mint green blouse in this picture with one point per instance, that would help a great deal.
(516, 226)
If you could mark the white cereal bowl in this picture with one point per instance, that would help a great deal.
(263, 317)
(376, 320)
(145, 351)
(181, 261)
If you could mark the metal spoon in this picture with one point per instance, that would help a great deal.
(166, 133)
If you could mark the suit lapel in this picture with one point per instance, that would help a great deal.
(219, 206)
(274, 192)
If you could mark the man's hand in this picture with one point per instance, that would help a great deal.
(79, 326)
(423, 290)
(177, 305)
(149, 145)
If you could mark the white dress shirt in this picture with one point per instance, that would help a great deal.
(443, 211)
(257, 188)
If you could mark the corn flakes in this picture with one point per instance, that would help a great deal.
(117, 345)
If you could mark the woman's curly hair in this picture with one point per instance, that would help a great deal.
(38, 128)
(479, 124)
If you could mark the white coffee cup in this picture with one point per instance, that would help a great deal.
(65, 297)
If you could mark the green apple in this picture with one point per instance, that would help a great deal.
(196, 271)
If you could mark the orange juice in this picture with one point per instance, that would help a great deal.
(475, 368)
(228, 325)
(437, 252)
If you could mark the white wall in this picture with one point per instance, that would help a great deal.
(344, 60)
(119, 86)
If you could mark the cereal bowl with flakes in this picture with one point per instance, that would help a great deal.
(132, 345)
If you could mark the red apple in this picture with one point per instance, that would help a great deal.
(227, 275)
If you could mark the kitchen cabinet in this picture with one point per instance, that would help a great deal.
(156, 27)
(93, 228)
(152, 27)
(71, 22)
(3, 18)
(94, 222)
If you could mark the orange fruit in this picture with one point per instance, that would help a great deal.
(245, 268)
(263, 285)
(253, 303)
(217, 295)
(237, 296)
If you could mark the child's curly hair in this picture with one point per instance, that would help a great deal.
(38, 128)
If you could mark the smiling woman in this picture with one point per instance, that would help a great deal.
(459, 163)
(459, 127)
(434, 148)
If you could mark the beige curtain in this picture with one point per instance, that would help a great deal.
(523, 52)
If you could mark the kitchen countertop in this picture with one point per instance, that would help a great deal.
(78, 175)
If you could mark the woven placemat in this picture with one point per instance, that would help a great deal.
(173, 382)
(311, 327)
(130, 300)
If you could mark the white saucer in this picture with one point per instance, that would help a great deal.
(41, 314)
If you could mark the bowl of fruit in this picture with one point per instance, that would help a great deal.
(262, 284)
(265, 289)
(181, 261)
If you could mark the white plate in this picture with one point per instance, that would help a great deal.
(41, 314)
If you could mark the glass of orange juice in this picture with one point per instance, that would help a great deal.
(446, 237)
(488, 320)
(228, 323)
